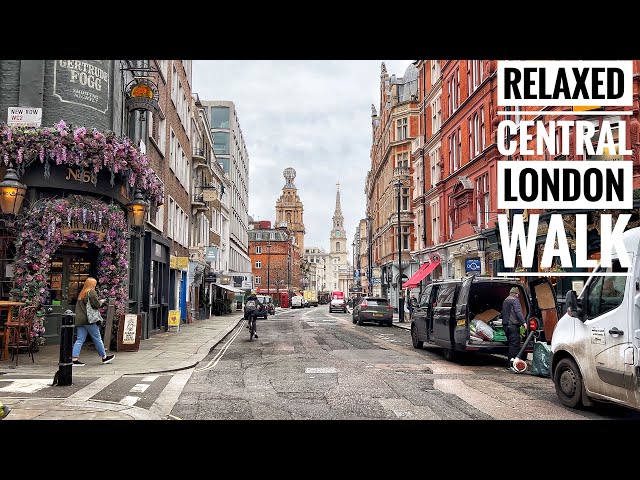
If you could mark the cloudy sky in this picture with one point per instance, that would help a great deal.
(314, 116)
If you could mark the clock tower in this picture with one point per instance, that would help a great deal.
(289, 209)
(338, 237)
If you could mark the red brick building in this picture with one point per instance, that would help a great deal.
(427, 166)
(276, 270)
(393, 131)
(469, 154)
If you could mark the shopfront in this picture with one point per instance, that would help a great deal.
(74, 222)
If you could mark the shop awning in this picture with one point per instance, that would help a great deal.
(422, 272)
(230, 288)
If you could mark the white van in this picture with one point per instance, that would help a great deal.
(596, 345)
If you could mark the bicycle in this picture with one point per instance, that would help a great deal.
(252, 326)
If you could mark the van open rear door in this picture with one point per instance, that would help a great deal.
(544, 303)
(461, 326)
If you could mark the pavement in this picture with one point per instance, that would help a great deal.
(162, 352)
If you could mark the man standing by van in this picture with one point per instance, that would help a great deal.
(512, 318)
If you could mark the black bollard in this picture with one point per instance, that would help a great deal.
(65, 366)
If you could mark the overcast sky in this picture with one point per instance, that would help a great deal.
(314, 116)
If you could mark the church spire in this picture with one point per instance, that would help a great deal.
(338, 212)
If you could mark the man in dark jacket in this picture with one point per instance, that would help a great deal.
(512, 319)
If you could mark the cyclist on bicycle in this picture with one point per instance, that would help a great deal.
(253, 316)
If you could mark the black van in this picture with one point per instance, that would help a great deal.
(446, 309)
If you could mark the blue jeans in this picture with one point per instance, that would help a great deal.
(93, 330)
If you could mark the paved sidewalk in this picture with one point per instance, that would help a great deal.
(163, 352)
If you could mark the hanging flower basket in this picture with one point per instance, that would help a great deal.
(88, 150)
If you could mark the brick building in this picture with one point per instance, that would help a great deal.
(94, 94)
(595, 115)
(469, 155)
(427, 167)
(170, 153)
(393, 130)
(274, 268)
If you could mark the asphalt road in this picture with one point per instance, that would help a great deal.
(309, 364)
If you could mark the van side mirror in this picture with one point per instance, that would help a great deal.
(571, 300)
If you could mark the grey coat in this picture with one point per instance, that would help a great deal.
(81, 307)
(512, 312)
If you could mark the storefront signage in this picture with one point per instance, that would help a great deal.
(142, 94)
(211, 278)
(209, 195)
(88, 227)
(24, 117)
(129, 332)
(83, 177)
(83, 82)
(174, 320)
(472, 265)
(247, 284)
(179, 263)
(71, 180)
(211, 254)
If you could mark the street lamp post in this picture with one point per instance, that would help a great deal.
(482, 245)
(369, 257)
(289, 276)
(269, 268)
(353, 260)
(398, 185)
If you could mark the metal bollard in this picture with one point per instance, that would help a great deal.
(65, 366)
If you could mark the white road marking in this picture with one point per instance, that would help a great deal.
(25, 385)
(94, 388)
(129, 401)
(321, 370)
(511, 404)
(169, 396)
(400, 414)
(214, 361)
(150, 378)
(139, 387)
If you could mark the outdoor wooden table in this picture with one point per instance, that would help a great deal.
(8, 306)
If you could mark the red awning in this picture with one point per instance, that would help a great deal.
(422, 272)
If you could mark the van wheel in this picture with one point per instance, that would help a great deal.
(449, 354)
(414, 337)
(568, 383)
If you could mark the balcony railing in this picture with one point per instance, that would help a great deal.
(401, 172)
(200, 157)
(198, 203)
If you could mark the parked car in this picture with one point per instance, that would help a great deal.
(446, 311)
(596, 344)
(297, 302)
(372, 309)
(337, 302)
(268, 302)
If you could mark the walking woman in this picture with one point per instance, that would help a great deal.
(83, 327)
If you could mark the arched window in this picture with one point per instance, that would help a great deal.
(337, 246)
